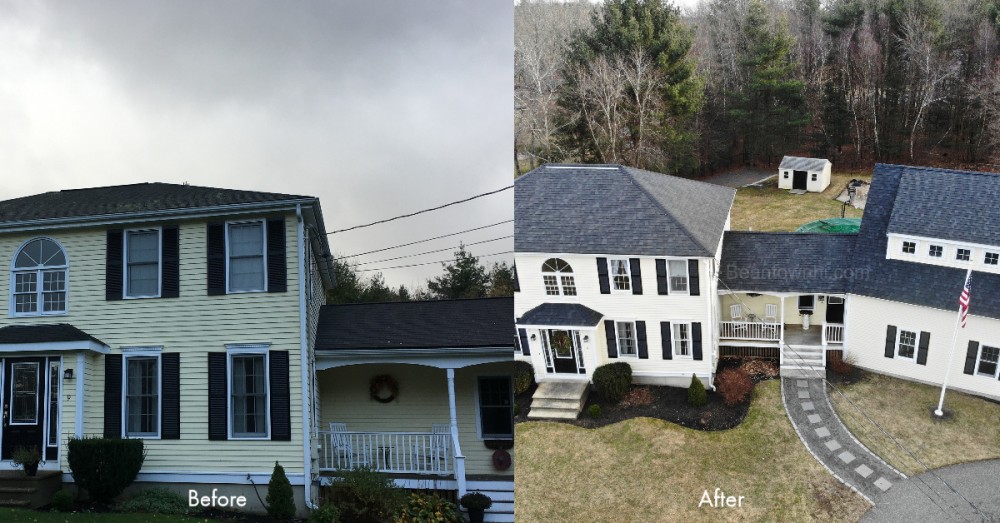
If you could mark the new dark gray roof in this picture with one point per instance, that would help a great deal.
(798, 163)
(787, 262)
(484, 322)
(910, 282)
(611, 209)
(128, 199)
(561, 315)
(953, 205)
(22, 334)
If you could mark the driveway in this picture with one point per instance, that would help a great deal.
(927, 498)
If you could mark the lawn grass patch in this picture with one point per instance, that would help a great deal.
(650, 470)
(34, 516)
(901, 408)
(769, 208)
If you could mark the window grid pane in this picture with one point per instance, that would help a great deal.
(143, 263)
(936, 251)
(963, 254)
(568, 286)
(249, 396)
(988, 360)
(626, 338)
(551, 287)
(24, 404)
(991, 258)
(496, 407)
(681, 339)
(907, 343)
(246, 257)
(142, 396)
(620, 275)
(909, 247)
(678, 275)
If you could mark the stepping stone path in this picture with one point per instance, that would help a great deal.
(831, 443)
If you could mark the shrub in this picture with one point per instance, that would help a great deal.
(155, 501)
(842, 365)
(612, 380)
(365, 496)
(63, 500)
(524, 377)
(326, 513)
(421, 508)
(476, 500)
(594, 411)
(696, 392)
(104, 467)
(734, 385)
(280, 500)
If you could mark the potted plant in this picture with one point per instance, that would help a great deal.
(476, 503)
(27, 458)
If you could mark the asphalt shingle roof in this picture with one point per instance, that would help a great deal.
(20, 334)
(953, 205)
(561, 315)
(127, 199)
(471, 323)
(919, 283)
(611, 209)
(798, 163)
(787, 262)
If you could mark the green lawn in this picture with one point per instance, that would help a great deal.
(901, 408)
(651, 470)
(20, 515)
(773, 209)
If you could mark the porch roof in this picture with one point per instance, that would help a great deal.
(787, 262)
(58, 336)
(561, 315)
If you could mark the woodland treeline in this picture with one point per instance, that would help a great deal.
(743, 82)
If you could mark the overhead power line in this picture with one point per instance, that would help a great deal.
(424, 241)
(422, 211)
(437, 250)
(432, 262)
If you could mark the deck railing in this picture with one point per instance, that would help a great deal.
(833, 333)
(391, 452)
(750, 330)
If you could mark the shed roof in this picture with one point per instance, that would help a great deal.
(798, 163)
(787, 262)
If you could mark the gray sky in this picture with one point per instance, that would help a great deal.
(378, 108)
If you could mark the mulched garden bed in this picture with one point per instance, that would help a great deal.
(228, 516)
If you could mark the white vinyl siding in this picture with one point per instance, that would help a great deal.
(245, 257)
(142, 263)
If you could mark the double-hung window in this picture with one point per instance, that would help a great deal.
(621, 279)
(678, 275)
(496, 407)
(248, 393)
(626, 338)
(142, 383)
(682, 339)
(246, 247)
(38, 283)
(988, 361)
(906, 344)
(142, 263)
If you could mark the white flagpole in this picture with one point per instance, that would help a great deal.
(954, 340)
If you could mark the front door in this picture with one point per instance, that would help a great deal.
(834, 309)
(799, 180)
(23, 404)
(563, 351)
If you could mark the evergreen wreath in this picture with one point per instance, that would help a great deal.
(380, 383)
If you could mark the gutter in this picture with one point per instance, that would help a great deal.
(304, 365)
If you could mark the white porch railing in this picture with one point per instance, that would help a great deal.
(751, 330)
(392, 452)
(833, 333)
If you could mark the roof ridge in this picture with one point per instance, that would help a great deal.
(935, 169)
(448, 300)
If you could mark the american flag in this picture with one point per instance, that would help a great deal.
(963, 300)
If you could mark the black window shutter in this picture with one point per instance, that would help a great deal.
(602, 275)
(636, 272)
(640, 334)
(525, 348)
(890, 341)
(667, 341)
(693, 281)
(609, 333)
(661, 277)
(277, 273)
(217, 401)
(113, 266)
(281, 403)
(217, 261)
(970, 357)
(112, 395)
(171, 422)
(925, 340)
(171, 263)
(517, 283)
(696, 340)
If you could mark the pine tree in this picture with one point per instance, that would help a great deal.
(280, 500)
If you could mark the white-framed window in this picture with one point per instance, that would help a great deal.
(495, 401)
(24, 378)
(142, 386)
(245, 256)
(55, 383)
(625, 334)
(991, 258)
(807, 302)
(987, 362)
(39, 279)
(143, 259)
(906, 344)
(935, 251)
(248, 382)
(621, 278)
(681, 333)
(678, 276)
(909, 247)
(557, 276)
(962, 254)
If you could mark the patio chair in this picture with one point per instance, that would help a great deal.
(771, 313)
(736, 312)
(341, 443)
(438, 456)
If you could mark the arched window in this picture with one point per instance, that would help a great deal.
(557, 276)
(39, 278)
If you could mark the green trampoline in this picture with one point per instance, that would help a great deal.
(832, 225)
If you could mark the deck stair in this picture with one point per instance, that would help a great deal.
(558, 399)
(803, 361)
(502, 494)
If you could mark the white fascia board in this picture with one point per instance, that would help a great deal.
(58, 346)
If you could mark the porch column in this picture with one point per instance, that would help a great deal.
(78, 419)
(781, 338)
(459, 457)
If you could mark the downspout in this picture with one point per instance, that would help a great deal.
(304, 365)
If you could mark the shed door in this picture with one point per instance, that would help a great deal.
(799, 180)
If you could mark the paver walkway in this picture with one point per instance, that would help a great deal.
(927, 498)
(831, 443)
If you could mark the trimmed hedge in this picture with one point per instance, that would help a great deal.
(612, 380)
(524, 376)
(104, 467)
(697, 396)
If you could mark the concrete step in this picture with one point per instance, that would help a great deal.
(554, 403)
(16, 490)
(799, 372)
(552, 413)
(16, 503)
(560, 389)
